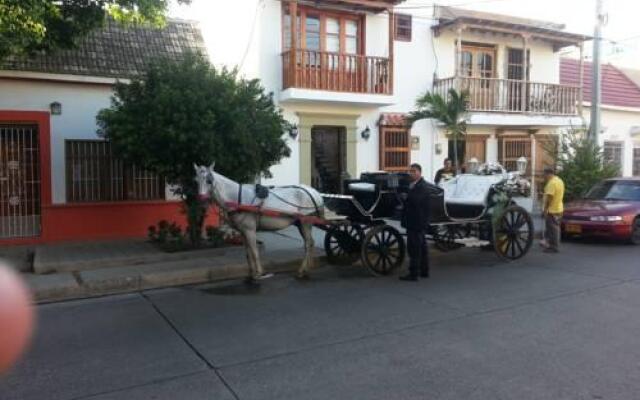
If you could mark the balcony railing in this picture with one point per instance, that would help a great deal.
(322, 70)
(514, 96)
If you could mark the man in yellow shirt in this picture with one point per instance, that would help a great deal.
(552, 209)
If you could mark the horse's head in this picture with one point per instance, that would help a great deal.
(205, 179)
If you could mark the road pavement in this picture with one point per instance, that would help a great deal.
(549, 326)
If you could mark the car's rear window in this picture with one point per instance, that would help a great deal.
(615, 190)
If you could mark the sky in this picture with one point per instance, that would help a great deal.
(622, 32)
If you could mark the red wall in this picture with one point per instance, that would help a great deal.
(78, 222)
(109, 220)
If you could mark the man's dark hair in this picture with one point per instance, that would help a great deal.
(447, 159)
(548, 170)
(416, 166)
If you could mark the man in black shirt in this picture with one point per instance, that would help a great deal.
(445, 173)
(415, 219)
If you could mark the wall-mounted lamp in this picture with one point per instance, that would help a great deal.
(522, 165)
(55, 108)
(438, 148)
(293, 131)
(473, 165)
(366, 133)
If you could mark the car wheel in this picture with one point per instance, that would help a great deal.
(635, 232)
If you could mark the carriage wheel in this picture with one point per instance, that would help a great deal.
(513, 233)
(445, 237)
(383, 250)
(342, 244)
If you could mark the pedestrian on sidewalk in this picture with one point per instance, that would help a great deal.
(415, 219)
(553, 208)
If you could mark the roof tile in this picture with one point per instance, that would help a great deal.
(116, 51)
(617, 88)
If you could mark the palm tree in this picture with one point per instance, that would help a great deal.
(451, 112)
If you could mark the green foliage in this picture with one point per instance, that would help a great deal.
(27, 26)
(580, 163)
(450, 112)
(186, 112)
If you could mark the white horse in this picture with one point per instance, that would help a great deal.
(249, 208)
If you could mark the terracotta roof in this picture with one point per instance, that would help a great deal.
(116, 51)
(392, 119)
(617, 88)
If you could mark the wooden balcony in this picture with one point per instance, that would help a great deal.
(349, 73)
(514, 96)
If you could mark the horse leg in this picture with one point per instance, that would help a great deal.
(307, 262)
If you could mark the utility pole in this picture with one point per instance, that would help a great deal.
(596, 83)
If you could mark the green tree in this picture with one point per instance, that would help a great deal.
(450, 112)
(186, 112)
(27, 26)
(580, 162)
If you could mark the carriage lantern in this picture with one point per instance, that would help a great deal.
(473, 164)
(522, 165)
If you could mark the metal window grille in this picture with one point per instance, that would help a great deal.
(94, 174)
(636, 161)
(20, 207)
(612, 153)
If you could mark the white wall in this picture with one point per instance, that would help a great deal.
(545, 63)
(80, 104)
(617, 126)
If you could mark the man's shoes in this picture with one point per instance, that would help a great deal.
(424, 275)
(411, 278)
(550, 250)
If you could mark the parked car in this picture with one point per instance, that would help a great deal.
(610, 209)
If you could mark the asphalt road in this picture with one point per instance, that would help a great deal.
(563, 326)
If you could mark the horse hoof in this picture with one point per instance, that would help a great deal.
(303, 277)
(266, 275)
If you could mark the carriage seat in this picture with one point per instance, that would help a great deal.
(362, 187)
(469, 189)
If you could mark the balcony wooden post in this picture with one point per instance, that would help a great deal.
(525, 72)
(457, 84)
(581, 89)
(392, 21)
(293, 18)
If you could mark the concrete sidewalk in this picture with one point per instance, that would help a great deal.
(78, 270)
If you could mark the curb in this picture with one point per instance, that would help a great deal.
(103, 282)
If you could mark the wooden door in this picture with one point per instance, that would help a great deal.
(328, 158)
(478, 64)
(515, 78)
(19, 181)
(475, 146)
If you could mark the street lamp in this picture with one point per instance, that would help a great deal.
(473, 164)
(522, 165)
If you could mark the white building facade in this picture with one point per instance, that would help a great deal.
(359, 67)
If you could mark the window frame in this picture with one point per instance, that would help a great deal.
(406, 36)
(107, 179)
(323, 15)
(617, 147)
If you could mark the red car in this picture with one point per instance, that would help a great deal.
(610, 209)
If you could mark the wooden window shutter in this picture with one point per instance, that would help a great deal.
(403, 27)
(395, 149)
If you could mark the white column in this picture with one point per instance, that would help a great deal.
(492, 149)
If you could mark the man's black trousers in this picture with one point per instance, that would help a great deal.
(418, 253)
